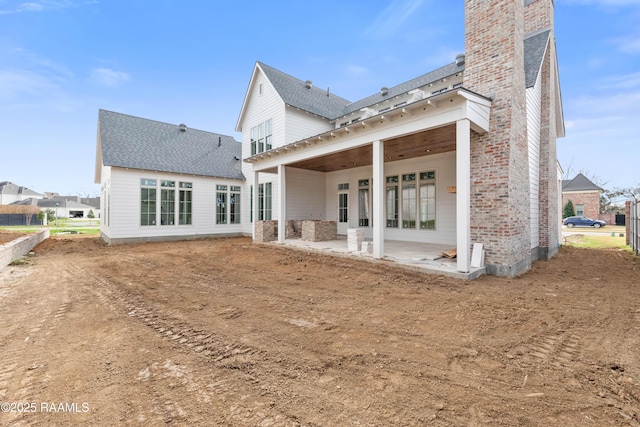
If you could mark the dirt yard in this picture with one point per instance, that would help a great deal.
(227, 333)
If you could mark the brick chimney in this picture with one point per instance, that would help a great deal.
(494, 33)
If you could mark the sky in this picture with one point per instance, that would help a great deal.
(190, 62)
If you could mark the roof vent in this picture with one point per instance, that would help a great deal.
(219, 141)
(460, 59)
(384, 91)
(308, 84)
(183, 127)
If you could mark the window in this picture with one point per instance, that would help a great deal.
(409, 200)
(221, 204)
(184, 203)
(579, 210)
(428, 200)
(364, 203)
(234, 205)
(167, 202)
(148, 202)
(261, 137)
(264, 202)
(392, 201)
(344, 186)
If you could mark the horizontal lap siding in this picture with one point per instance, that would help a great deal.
(125, 206)
(259, 108)
(305, 194)
(301, 125)
(533, 136)
(445, 167)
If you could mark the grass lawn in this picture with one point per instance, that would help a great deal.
(61, 229)
(610, 237)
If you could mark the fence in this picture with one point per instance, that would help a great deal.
(634, 226)
(19, 219)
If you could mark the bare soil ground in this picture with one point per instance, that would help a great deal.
(224, 332)
(7, 236)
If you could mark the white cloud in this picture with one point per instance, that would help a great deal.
(392, 18)
(629, 44)
(357, 70)
(623, 82)
(45, 65)
(40, 6)
(24, 89)
(108, 77)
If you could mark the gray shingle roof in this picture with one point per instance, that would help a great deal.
(580, 183)
(433, 76)
(137, 143)
(534, 49)
(7, 187)
(294, 92)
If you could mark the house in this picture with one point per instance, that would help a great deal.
(461, 155)
(583, 194)
(162, 181)
(61, 207)
(10, 193)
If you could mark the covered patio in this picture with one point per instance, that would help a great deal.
(432, 126)
(423, 257)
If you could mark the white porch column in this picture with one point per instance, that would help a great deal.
(254, 202)
(377, 192)
(282, 202)
(463, 194)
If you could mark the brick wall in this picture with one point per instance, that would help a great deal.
(319, 231)
(499, 159)
(590, 200)
(539, 15)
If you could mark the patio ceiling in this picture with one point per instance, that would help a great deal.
(433, 141)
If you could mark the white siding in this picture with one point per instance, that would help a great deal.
(105, 200)
(302, 125)
(305, 194)
(125, 206)
(533, 137)
(259, 108)
(445, 167)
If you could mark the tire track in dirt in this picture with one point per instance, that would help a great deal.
(22, 376)
(229, 357)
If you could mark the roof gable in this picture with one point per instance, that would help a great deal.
(137, 143)
(580, 183)
(7, 187)
(299, 94)
(535, 47)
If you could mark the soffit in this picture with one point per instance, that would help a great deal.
(433, 141)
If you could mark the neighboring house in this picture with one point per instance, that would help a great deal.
(92, 202)
(63, 207)
(584, 195)
(10, 193)
(463, 154)
(162, 181)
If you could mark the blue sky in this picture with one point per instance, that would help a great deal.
(190, 62)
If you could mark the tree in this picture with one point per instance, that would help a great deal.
(568, 210)
(628, 192)
(91, 215)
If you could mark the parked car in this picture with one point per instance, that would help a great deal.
(583, 221)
